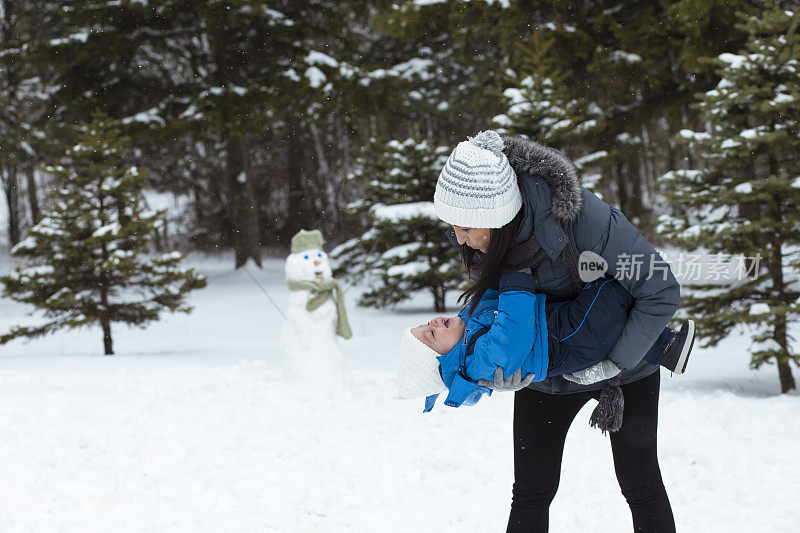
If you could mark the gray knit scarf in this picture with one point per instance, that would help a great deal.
(530, 254)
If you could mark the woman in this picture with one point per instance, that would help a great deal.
(515, 204)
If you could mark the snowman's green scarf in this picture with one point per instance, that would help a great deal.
(321, 292)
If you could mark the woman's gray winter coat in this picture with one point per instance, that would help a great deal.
(551, 190)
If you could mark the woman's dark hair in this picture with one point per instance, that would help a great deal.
(500, 240)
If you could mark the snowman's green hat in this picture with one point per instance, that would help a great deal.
(307, 240)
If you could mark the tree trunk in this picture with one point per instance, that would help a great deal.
(780, 336)
(341, 186)
(689, 155)
(623, 197)
(104, 322)
(636, 207)
(107, 343)
(779, 290)
(294, 174)
(242, 206)
(11, 189)
(438, 299)
(321, 181)
(33, 196)
(9, 174)
(785, 375)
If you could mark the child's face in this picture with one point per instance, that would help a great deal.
(441, 333)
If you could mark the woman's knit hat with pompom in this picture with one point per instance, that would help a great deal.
(477, 187)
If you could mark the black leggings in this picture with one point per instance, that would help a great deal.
(541, 422)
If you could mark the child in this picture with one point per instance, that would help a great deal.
(512, 328)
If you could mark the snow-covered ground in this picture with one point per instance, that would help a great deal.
(191, 428)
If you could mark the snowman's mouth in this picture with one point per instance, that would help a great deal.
(318, 274)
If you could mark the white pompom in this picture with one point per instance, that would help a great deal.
(489, 140)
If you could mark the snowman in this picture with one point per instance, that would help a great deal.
(316, 313)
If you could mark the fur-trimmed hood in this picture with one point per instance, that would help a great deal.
(527, 156)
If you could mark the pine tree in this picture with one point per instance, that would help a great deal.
(87, 256)
(596, 66)
(22, 141)
(404, 250)
(204, 89)
(446, 80)
(540, 106)
(745, 199)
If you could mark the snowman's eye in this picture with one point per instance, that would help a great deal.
(319, 255)
(305, 256)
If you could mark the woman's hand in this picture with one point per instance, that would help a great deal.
(601, 371)
(513, 383)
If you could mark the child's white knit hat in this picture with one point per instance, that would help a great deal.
(418, 372)
(477, 188)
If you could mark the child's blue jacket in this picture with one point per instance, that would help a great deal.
(507, 329)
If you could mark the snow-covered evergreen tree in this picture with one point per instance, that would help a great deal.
(540, 106)
(745, 199)
(404, 249)
(22, 140)
(87, 261)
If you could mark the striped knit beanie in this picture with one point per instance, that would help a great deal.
(477, 187)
